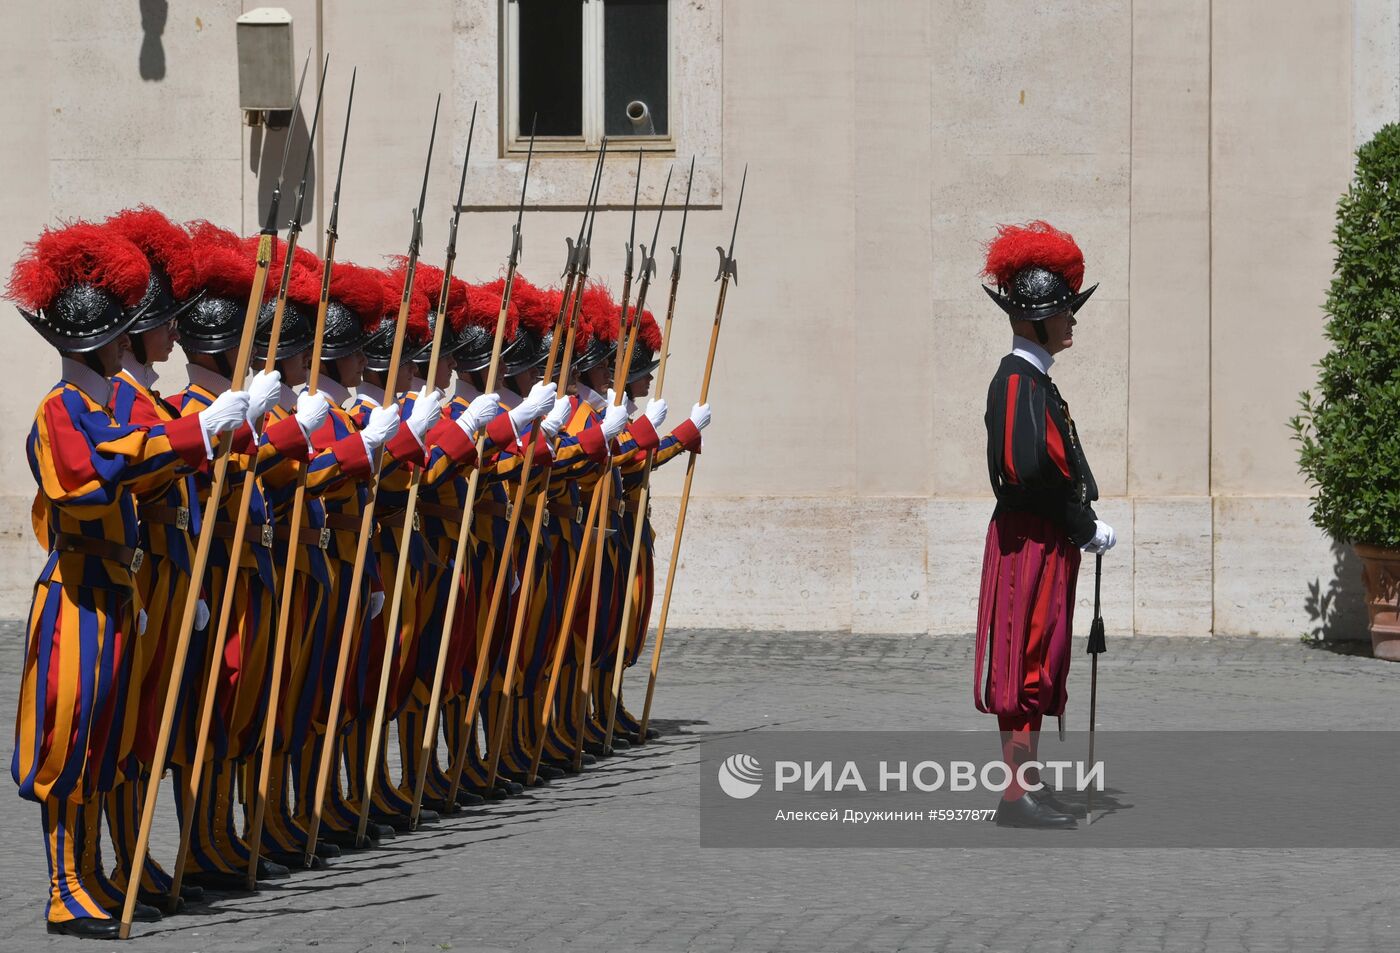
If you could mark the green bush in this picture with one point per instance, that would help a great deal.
(1349, 433)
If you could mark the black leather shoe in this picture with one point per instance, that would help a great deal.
(567, 767)
(595, 748)
(326, 850)
(189, 893)
(467, 798)
(218, 881)
(396, 822)
(512, 788)
(88, 928)
(271, 870)
(296, 861)
(141, 913)
(161, 901)
(553, 772)
(1026, 812)
(620, 742)
(1045, 797)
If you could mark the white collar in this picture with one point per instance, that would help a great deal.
(508, 397)
(334, 390)
(631, 406)
(1032, 353)
(370, 392)
(87, 380)
(143, 374)
(212, 381)
(591, 397)
(467, 390)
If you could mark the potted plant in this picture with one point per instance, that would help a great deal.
(1348, 430)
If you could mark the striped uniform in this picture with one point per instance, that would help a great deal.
(67, 729)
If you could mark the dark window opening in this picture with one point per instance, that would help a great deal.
(634, 66)
(551, 66)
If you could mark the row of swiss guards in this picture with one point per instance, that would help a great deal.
(123, 473)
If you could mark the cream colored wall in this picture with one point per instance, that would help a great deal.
(1196, 150)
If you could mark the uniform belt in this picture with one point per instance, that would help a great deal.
(260, 533)
(177, 516)
(126, 556)
(393, 519)
(351, 524)
(564, 511)
(448, 514)
(309, 536)
(632, 506)
(492, 508)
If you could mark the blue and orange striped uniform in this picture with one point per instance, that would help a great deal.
(241, 685)
(442, 493)
(67, 729)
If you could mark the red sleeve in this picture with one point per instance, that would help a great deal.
(689, 435)
(350, 454)
(644, 434)
(404, 447)
(453, 441)
(543, 457)
(501, 431)
(187, 439)
(286, 437)
(243, 440)
(593, 444)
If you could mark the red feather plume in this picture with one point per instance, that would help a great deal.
(601, 315)
(1037, 243)
(361, 290)
(225, 269)
(649, 334)
(163, 242)
(392, 281)
(484, 307)
(81, 253)
(534, 305)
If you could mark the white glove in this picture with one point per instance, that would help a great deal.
(201, 615)
(656, 412)
(480, 412)
(383, 423)
(427, 410)
(312, 411)
(557, 417)
(539, 402)
(263, 391)
(614, 420)
(1104, 539)
(376, 603)
(700, 416)
(228, 411)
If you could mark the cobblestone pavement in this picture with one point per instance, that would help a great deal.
(609, 861)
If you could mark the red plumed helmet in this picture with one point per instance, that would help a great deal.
(78, 254)
(1037, 269)
(225, 269)
(360, 289)
(304, 260)
(80, 286)
(534, 306)
(393, 281)
(484, 307)
(166, 244)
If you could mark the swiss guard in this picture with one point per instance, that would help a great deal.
(1044, 514)
(83, 288)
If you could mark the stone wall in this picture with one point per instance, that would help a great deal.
(1196, 150)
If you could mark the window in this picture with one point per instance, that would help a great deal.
(583, 69)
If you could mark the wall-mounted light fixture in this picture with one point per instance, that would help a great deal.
(266, 73)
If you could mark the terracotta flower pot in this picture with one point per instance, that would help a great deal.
(1381, 570)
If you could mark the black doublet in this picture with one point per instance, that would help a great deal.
(1024, 469)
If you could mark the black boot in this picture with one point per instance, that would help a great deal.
(88, 928)
(1045, 797)
(1026, 812)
